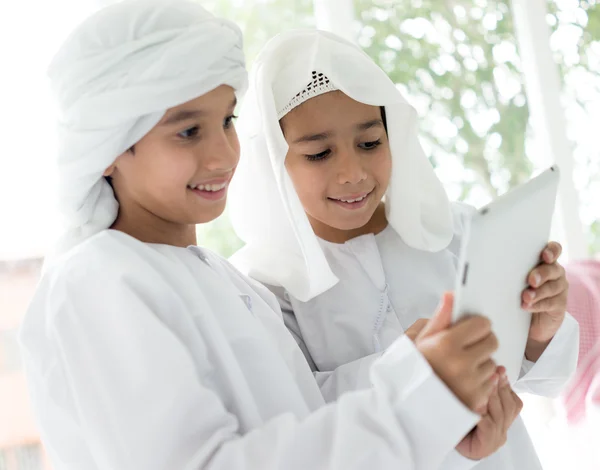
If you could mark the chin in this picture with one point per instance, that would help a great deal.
(352, 224)
(208, 215)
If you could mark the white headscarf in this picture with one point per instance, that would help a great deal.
(281, 247)
(115, 77)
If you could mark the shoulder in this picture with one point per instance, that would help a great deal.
(108, 252)
(106, 267)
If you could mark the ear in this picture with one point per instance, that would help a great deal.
(110, 170)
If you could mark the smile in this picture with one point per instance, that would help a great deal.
(214, 191)
(209, 187)
(354, 201)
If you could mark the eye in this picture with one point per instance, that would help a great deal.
(318, 156)
(189, 133)
(370, 145)
(228, 122)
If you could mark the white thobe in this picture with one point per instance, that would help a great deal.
(153, 357)
(384, 287)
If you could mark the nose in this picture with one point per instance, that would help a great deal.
(221, 152)
(350, 169)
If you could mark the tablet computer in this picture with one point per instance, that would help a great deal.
(501, 244)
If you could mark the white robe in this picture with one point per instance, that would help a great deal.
(153, 357)
(384, 287)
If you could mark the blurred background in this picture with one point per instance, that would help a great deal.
(503, 89)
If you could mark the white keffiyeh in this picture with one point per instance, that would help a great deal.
(115, 77)
(281, 247)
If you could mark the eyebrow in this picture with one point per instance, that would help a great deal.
(363, 126)
(182, 115)
(313, 137)
(186, 114)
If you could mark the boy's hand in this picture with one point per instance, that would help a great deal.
(460, 354)
(490, 433)
(413, 330)
(546, 299)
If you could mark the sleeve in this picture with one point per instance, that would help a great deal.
(456, 461)
(346, 378)
(141, 401)
(556, 365)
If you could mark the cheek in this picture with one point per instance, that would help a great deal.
(234, 143)
(167, 168)
(310, 182)
(381, 169)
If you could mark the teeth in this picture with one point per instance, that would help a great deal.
(209, 187)
(353, 200)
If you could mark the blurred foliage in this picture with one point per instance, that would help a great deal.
(594, 237)
(459, 58)
(219, 236)
(260, 20)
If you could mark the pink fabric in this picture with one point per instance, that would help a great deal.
(584, 304)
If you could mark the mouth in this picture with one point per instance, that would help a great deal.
(353, 201)
(212, 191)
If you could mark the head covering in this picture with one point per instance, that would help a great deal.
(318, 85)
(582, 394)
(115, 77)
(281, 247)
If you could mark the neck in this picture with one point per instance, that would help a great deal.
(149, 228)
(375, 225)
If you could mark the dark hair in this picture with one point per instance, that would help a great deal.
(383, 117)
